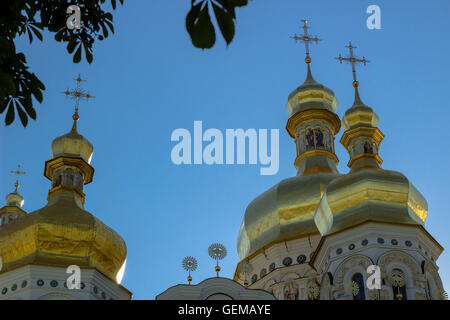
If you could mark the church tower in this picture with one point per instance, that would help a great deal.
(14, 203)
(325, 235)
(373, 217)
(41, 251)
(278, 235)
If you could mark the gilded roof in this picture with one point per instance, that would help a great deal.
(61, 234)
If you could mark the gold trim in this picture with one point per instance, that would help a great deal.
(362, 131)
(315, 152)
(67, 188)
(313, 115)
(360, 156)
(52, 165)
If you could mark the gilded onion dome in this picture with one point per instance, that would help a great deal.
(286, 211)
(367, 192)
(13, 208)
(72, 144)
(63, 233)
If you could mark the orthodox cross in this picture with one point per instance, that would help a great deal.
(353, 60)
(18, 173)
(306, 38)
(77, 94)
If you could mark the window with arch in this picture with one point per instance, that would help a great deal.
(359, 280)
(68, 177)
(57, 179)
(79, 180)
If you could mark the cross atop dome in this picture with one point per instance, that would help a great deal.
(77, 94)
(353, 60)
(18, 173)
(306, 38)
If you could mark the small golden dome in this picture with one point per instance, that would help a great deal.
(369, 194)
(359, 114)
(311, 95)
(14, 199)
(283, 212)
(62, 234)
(72, 144)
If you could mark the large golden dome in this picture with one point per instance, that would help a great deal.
(367, 192)
(286, 211)
(62, 234)
(283, 212)
(370, 194)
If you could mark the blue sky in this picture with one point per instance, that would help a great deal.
(149, 80)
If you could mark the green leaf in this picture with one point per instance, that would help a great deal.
(239, 3)
(192, 16)
(113, 4)
(37, 32)
(28, 106)
(105, 30)
(10, 114)
(22, 115)
(89, 56)
(203, 34)
(77, 55)
(30, 35)
(225, 22)
(228, 6)
(38, 94)
(71, 45)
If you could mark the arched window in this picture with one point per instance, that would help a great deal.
(398, 282)
(68, 177)
(359, 280)
(79, 180)
(57, 179)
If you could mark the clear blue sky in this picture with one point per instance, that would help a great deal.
(149, 80)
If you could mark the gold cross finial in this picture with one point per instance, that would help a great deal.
(77, 94)
(18, 173)
(353, 60)
(306, 38)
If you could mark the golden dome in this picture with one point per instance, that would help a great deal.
(62, 234)
(369, 194)
(359, 115)
(286, 211)
(311, 95)
(72, 144)
(283, 212)
(14, 199)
